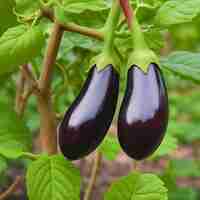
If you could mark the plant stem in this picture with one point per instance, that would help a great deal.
(25, 87)
(82, 30)
(135, 165)
(24, 100)
(71, 27)
(138, 37)
(50, 58)
(31, 81)
(139, 42)
(196, 152)
(30, 156)
(48, 136)
(110, 27)
(95, 171)
(128, 12)
(19, 92)
(48, 120)
(11, 189)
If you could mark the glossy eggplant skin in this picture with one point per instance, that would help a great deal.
(89, 117)
(144, 112)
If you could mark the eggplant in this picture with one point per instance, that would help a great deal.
(89, 117)
(144, 112)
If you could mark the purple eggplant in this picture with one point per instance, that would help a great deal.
(144, 112)
(89, 117)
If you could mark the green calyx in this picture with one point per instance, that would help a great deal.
(143, 58)
(103, 60)
(142, 55)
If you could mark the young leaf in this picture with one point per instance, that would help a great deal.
(177, 11)
(7, 18)
(110, 148)
(19, 45)
(137, 186)
(184, 64)
(14, 135)
(53, 178)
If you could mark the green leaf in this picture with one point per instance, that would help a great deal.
(7, 18)
(177, 11)
(169, 177)
(110, 148)
(3, 165)
(154, 39)
(53, 178)
(185, 168)
(145, 12)
(84, 5)
(83, 18)
(186, 132)
(18, 46)
(137, 186)
(169, 145)
(73, 40)
(184, 194)
(27, 7)
(14, 135)
(184, 64)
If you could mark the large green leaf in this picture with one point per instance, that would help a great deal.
(183, 63)
(137, 186)
(177, 11)
(19, 45)
(53, 178)
(14, 135)
(7, 18)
